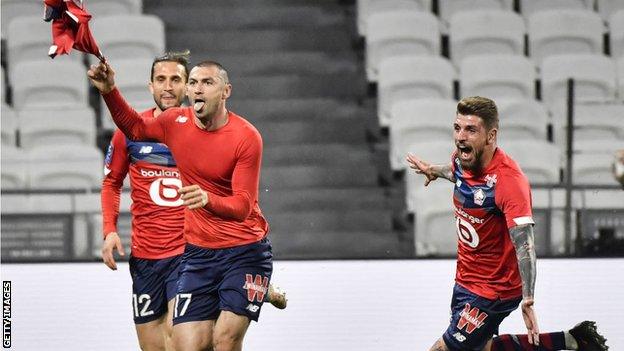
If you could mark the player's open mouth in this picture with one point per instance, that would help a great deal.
(464, 151)
(198, 105)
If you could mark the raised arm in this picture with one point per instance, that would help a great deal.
(431, 172)
(102, 76)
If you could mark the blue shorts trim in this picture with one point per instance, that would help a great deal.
(153, 285)
(213, 280)
(474, 319)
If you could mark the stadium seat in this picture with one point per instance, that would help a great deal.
(593, 169)
(434, 152)
(399, 33)
(608, 7)
(562, 31)
(522, 119)
(100, 8)
(528, 7)
(8, 125)
(435, 231)
(539, 160)
(591, 122)
(483, 32)
(39, 127)
(65, 167)
(594, 77)
(3, 86)
(366, 8)
(616, 26)
(132, 78)
(412, 77)
(497, 76)
(14, 170)
(14, 8)
(598, 146)
(129, 36)
(448, 8)
(29, 39)
(419, 120)
(49, 83)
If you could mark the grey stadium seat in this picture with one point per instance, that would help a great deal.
(8, 125)
(366, 8)
(14, 168)
(100, 8)
(65, 167)
(39, 127)
(522, 119)
(497, 77)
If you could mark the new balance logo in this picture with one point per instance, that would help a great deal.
(145, 150)
(252, 308)
(256, 287)
(459, 337)
(471, 319)
(181, 119)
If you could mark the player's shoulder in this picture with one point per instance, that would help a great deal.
(243, 125)
(508, 169)
(149, 113)
(177, 114)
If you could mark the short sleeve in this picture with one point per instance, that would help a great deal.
(513, 198)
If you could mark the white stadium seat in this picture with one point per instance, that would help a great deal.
(366, 8)
(53, 84)
(14, 8)
(3, 85)
(522, 119)
(616, 34)
(528, 7)
(435, 231)
(419, 120)
(591, 122)
(129, 36)
(399, 33)
(29, 39)
(412, 77)
(481, 32)
(620, 77)
(563, 31)
(539, 160)
(8, 125)
(448, 8)
(14, 168)
(100, 8)
(594, 77)
(497, 76)
(593, 169)
(65, 167)
(608, 7)
(39, 127)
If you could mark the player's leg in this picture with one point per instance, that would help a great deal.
(171, 283)
(584, 337)
(474, 320)
(167, 326)
(229, 331)
(196, 305)
(149, 302)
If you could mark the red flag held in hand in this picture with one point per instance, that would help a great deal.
(70, 28)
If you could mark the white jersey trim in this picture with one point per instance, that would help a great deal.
(523, 220)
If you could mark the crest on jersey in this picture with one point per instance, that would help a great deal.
(490, 180)
(479, 197)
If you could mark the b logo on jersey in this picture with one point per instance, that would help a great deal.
(471, 319)
(479, 197)
(466, 233)
(256, 287)
(164, 192)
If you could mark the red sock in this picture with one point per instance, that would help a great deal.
(548, 342)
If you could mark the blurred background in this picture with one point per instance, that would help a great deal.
(341, 91)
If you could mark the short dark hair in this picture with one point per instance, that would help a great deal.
(181, 58)
(481, 107)
(222, 71)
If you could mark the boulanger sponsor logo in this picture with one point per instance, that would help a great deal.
(471, 218)
(160, 173)
(466, 233)
(164, 192)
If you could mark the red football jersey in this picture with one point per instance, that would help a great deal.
(157, 214)
(224, 162)
(487, 205)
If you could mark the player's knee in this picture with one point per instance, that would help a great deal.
(227, 340)
(152, 344)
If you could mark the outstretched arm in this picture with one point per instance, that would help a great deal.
(522, 238)
(431, 172)
(102, 76)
